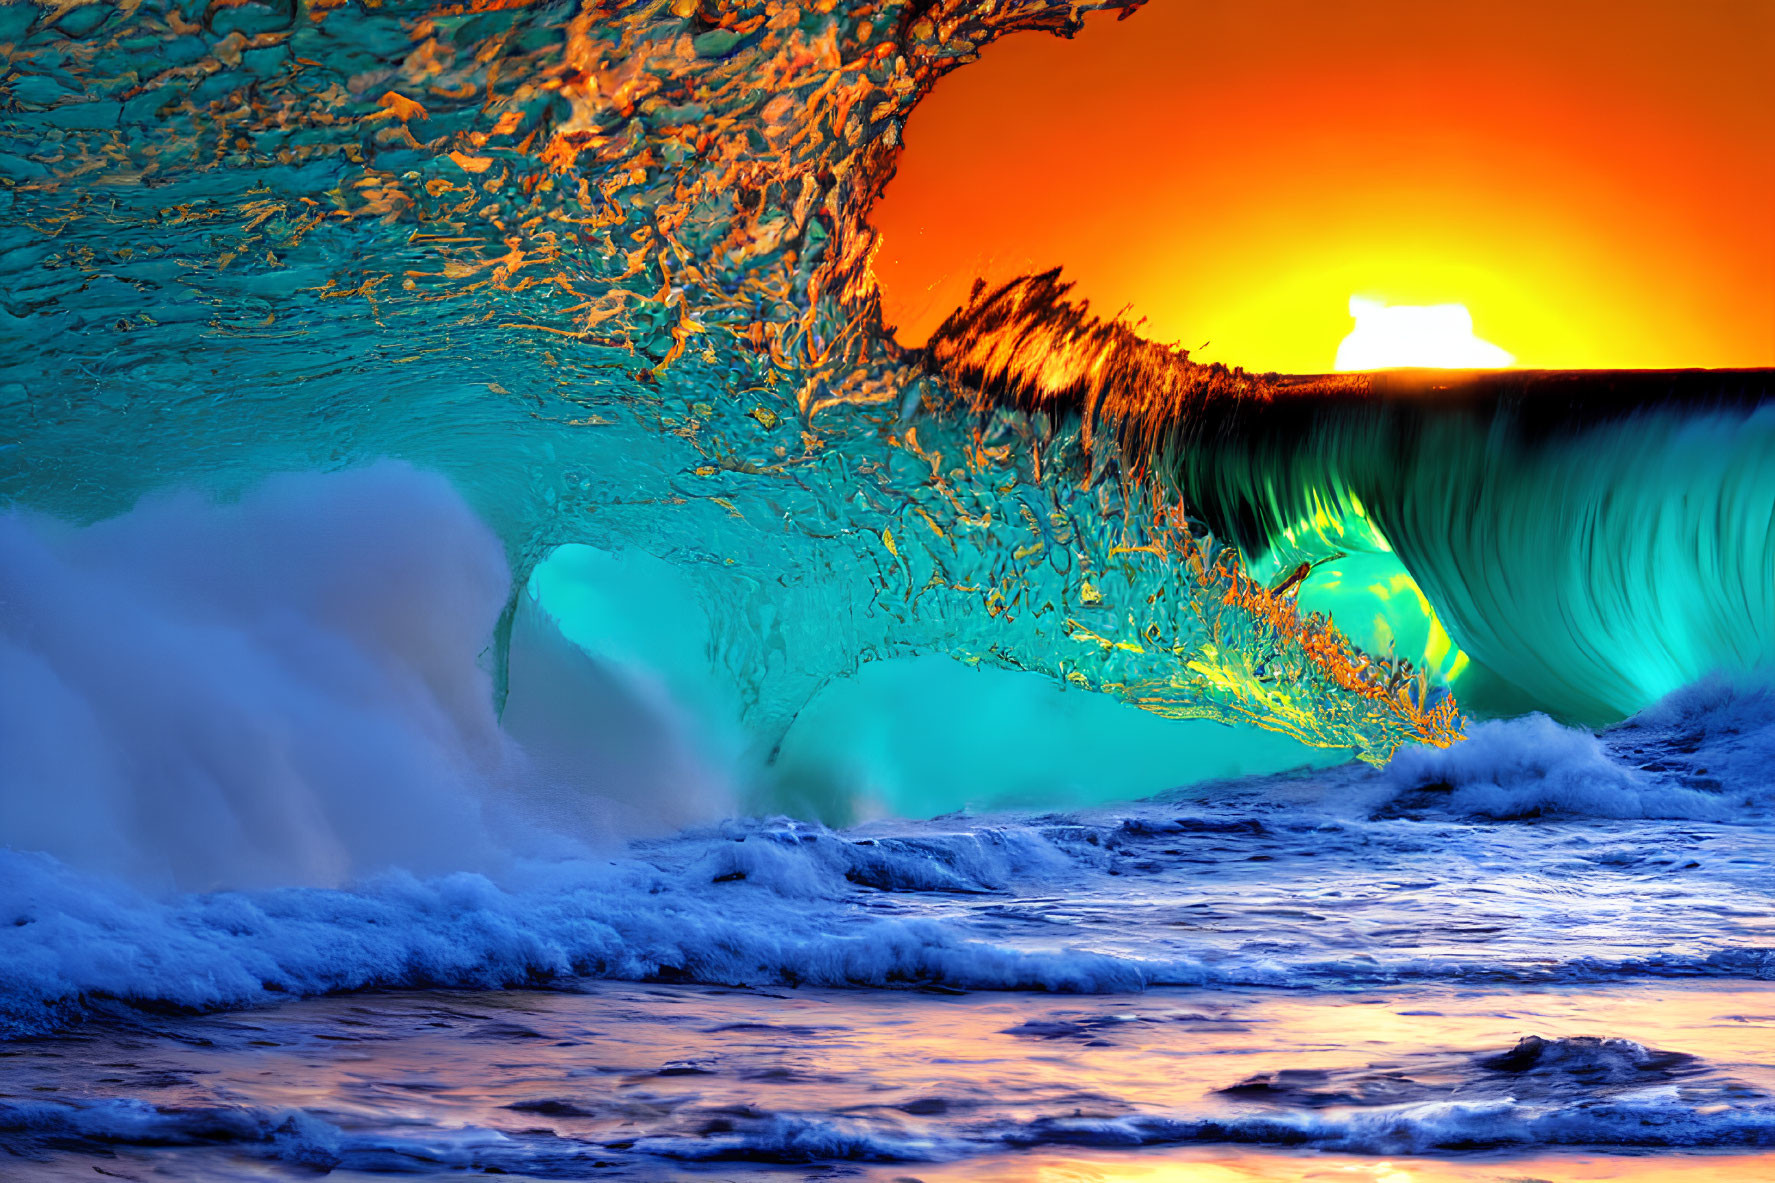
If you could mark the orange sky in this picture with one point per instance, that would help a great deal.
(1595, 181)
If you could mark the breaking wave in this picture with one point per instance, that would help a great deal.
(1587, 568)
(895, 904)
(273, 716)
(1592, 541)
(289, 688)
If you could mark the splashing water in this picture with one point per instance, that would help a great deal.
(339, 235)
(672, 531)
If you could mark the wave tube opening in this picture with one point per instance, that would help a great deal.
(914, 735)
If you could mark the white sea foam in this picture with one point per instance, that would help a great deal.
(1701, 753)
(289, 689)
(69, 938)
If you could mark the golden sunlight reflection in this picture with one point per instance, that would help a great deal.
(622, 1062)
(1438, 336)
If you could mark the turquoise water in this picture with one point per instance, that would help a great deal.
(312, 241)
(504, 667)
(1585, 570)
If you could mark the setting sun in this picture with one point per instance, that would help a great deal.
(1437, 336)
(1592, 182)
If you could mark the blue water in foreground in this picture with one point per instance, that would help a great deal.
(281, 892)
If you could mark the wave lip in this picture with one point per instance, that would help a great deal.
(1590, 540)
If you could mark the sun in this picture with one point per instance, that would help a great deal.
(1439, 336)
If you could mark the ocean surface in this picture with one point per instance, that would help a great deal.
(1536, 955)
(507, 668)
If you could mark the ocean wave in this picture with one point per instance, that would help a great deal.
(1701, 752)
(1584, 1109)
(72, 941)
(290, 1136)
(1534, 767)
(802, 861)
(318, 738)
(1659, 1120)
(1606, 1093)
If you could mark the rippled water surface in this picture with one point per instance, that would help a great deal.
(1342, 974)
(682, 1081)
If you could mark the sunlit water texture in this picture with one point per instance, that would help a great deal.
(480, 585)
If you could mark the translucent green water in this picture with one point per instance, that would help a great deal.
(1585, 572)
(615, 287)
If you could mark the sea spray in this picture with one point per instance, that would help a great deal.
(291, 687)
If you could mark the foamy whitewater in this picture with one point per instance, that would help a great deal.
(263, 827)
